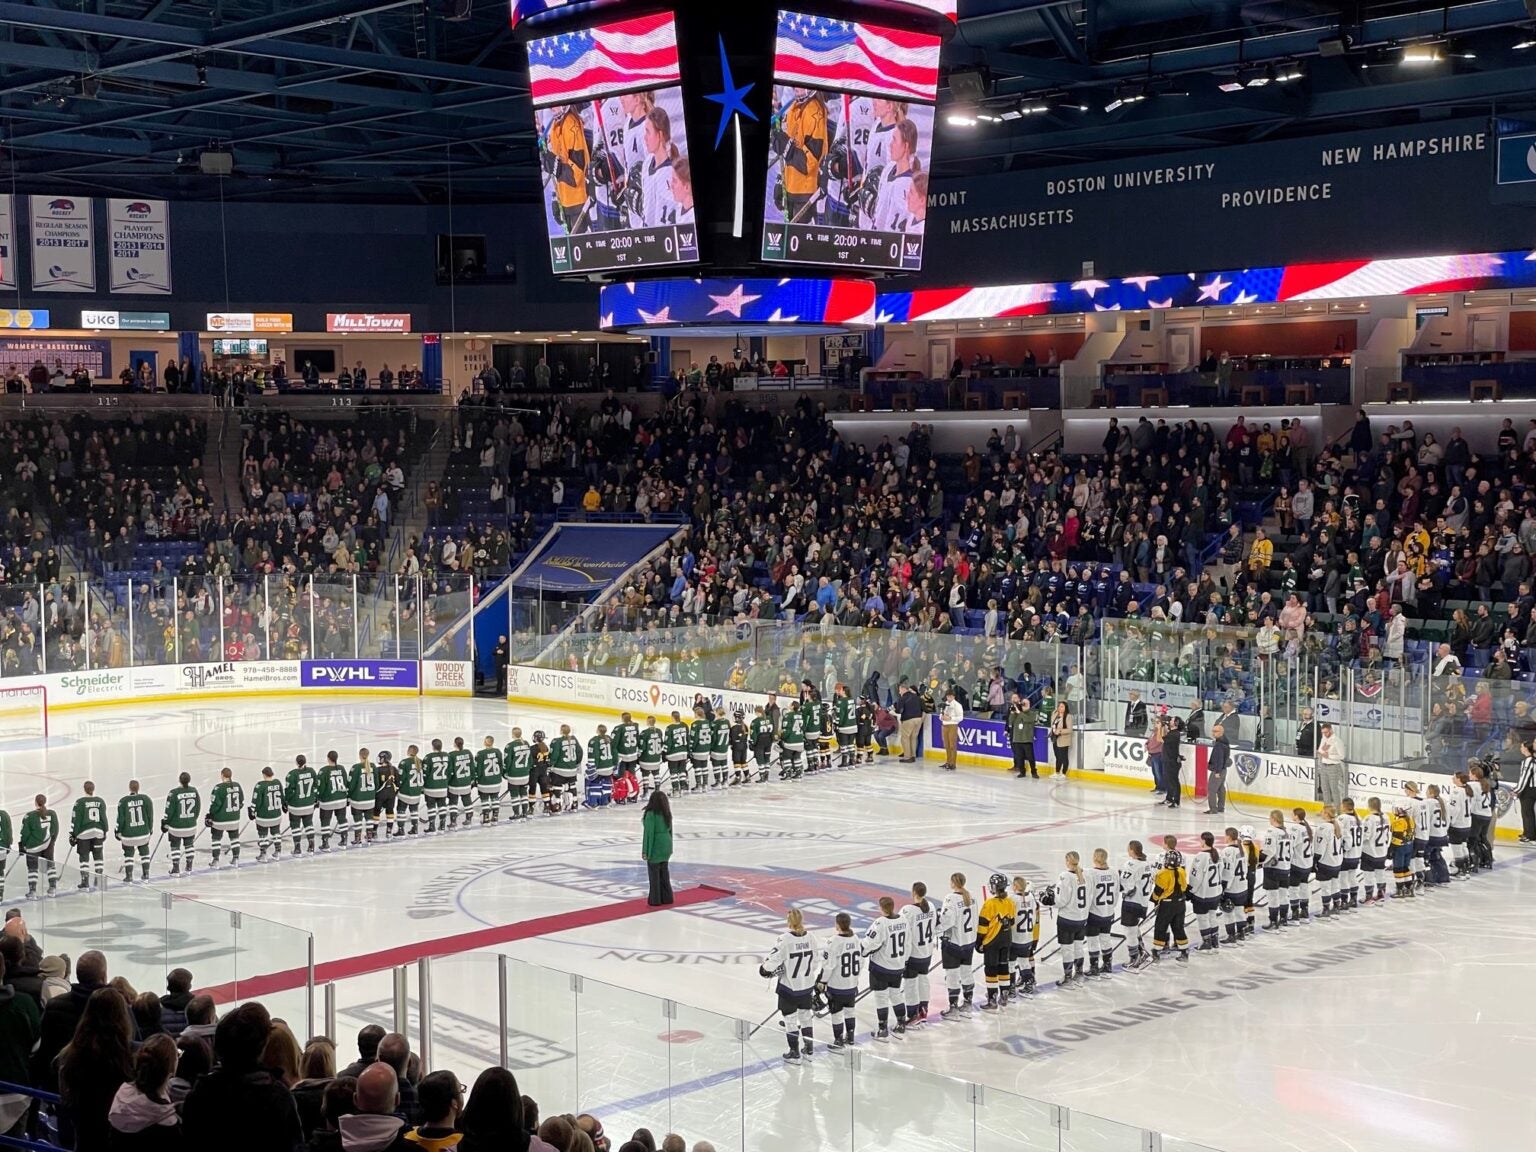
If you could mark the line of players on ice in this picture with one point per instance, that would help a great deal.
(1218, 887)
(445, 790)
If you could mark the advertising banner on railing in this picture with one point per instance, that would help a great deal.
(395, 674)
(552, 687)
(139, 247)
(589, 557)
(9, 253)
(63, 244)
(448, 678)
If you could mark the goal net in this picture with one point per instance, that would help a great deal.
(23, 712)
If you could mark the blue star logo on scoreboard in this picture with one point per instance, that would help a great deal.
(731, 97)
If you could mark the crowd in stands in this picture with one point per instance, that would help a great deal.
(163, 1072)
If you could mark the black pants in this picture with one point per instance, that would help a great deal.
(1169, 924)
(1063, 754)
(1480, 844)
(1024, 757)
(661, 882)
(1528, 813)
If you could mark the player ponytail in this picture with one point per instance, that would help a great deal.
(887, 906)
(1301, 818)
(1276, 818)
(796, 921)
(844, 924)
(1209, 841)
(662, 123)
(1374, 806)
(1075, 866)
(906, 131)
(920, 895)
(1137, 852)
(957, 882)
(1100, 858)
(1434, 794)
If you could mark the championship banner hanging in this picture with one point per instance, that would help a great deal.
(63, 244)
(139, 235)
(8, 251)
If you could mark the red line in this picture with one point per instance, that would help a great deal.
(347, 967)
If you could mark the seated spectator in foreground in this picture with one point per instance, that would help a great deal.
(92, 1067)
(178, 994)
(317, 1069)
(20, 1020)
(142, 1115)
(194, 1061)
(440, 1103)
(375, 1127)
(495, 1118)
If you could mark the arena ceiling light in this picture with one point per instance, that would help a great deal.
(1126, 95)
(1231, 84)
(1418, 55)
(1256, 77)
(961, 118)
(1289, 72)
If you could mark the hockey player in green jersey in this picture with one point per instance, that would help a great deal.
(87, 834)
(626, 744)
(675, 746)
(363, 796)
(6, 841)
(39, 835)
(387, 796)
(564, 766)
(489, 769)
(301, 793)
(183, 810)
(761, 732)
(436, 787)
(517, 768)
(792, 744)
(266, 811)
(413, 783)
(719, 749)
(652, 755)
(600, 765)
(701, 735)
(135, 826)
(226, 808)
(845, 724)
(335, 801)
(461, 784)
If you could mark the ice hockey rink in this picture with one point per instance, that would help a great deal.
(1409, 1026)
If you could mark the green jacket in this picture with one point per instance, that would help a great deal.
(656, 845)
(38, 830)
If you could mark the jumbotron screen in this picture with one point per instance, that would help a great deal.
(850, 144)
(613, 148)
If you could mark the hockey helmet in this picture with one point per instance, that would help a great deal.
(1246, 832)
(1172, 859)
(997, 884)
(386, 756)
(538, 736)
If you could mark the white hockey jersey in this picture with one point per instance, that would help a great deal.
(795, 960)
(1026, 916)
(1378, 836)
(1326, 845)
(957, 920)
(888, 943)
(842, 962)
(1301, 844)
(1352, 834)
(1234, 869)
(1204, 875)
(925, 928)
(1103, 892)
(1136, 879)
(1277, 850)
(1072, 897)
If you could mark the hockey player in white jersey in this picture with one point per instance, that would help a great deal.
(1373, 856)
(887, 946)
(922, 916)
(957, 944)
(1136, 876)
(1328, 853)
(1239, 858)
(1458, 806)
(1275, 856)
(1103, 899)
(1422, 810)
(1300, 833)
(1205, 882)
(1026, 935)
(795, 963)
(1352, 833)
(842, 962)
(890, 207)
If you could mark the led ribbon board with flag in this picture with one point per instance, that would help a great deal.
(613, 147)
(745, 307)
(1336, 280)
(851, 143)
(587, 558)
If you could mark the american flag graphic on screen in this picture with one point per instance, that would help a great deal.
(626, 56)
(820, 52)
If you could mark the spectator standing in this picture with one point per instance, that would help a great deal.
(1021, 737)
(1216, 771)
(173, 1005)
(240, 1106)
(1332, 776)
(909, 711)
(1135, 715)
(142, 1116)
(501, 657)
(1155, 753)
(950, 716)
(656, 847)
(1061, 737)
(20, 1023)
(63, 1013)
(368, 1040)
(375, 1127)
(92, 1067)
(441, 1101)
(1173, 765)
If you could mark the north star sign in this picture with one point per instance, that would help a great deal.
(368, 322)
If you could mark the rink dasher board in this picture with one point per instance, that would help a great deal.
(1255, 779)
(173, 683)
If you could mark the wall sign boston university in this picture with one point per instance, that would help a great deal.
(1401, 191)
